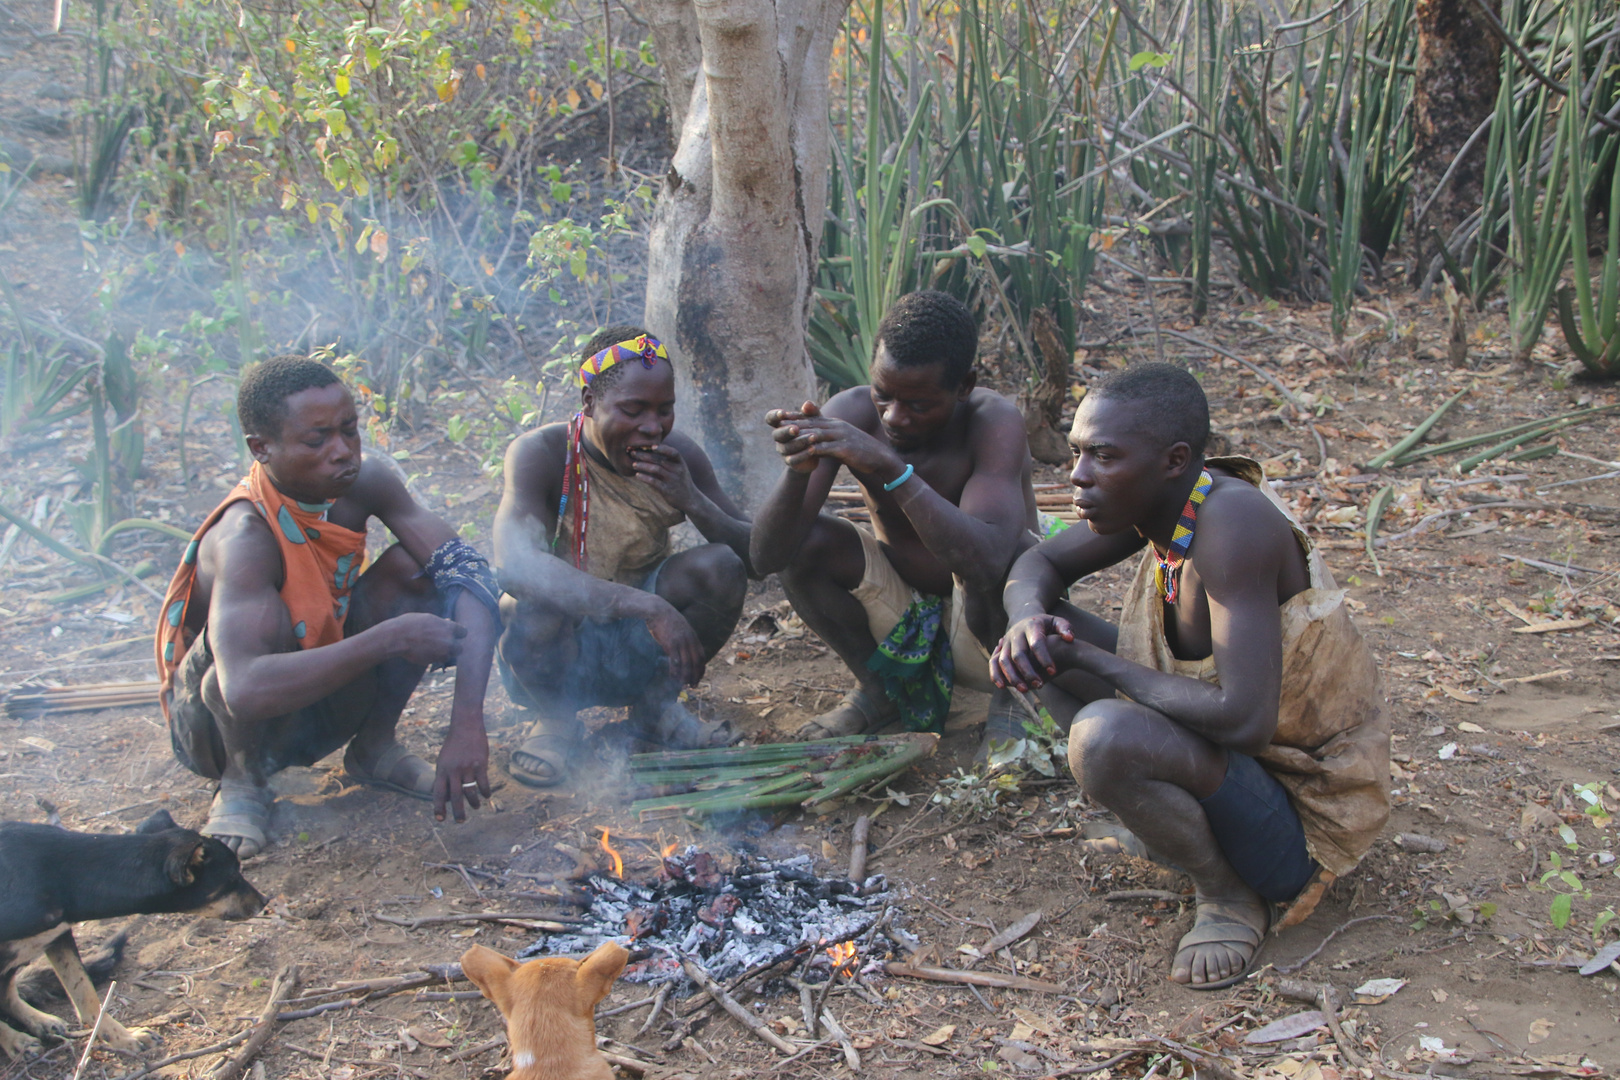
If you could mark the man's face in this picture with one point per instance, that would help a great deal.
(1120, 467)
(316, 456)
(912, 404)
(636, 411)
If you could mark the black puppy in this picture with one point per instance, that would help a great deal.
(51, 878)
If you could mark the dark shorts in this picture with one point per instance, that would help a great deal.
(301, 737)
(617, 662)
(1258, 830)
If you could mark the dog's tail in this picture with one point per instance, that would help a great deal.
(40, 987)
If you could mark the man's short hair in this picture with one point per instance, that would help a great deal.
(1171, 403)
(608, 335)
(261, 396)
(930, 327)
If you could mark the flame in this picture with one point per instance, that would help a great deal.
(669, 848)
(842, 954)
(618, 863)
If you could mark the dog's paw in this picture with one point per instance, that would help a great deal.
(14, 1044)
(45, 1026)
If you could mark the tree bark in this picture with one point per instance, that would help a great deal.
(732, 252)
(1458, 76)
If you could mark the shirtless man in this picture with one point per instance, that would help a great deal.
(945, 471)
(1233, 646)
(604, 614)
(275, 649)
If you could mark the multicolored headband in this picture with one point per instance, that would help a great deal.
(646, 348)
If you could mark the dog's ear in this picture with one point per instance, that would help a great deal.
(489, 971)
(158, 822)
(185, 860)
(597, 971)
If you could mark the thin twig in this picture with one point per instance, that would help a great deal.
(95, 1029)
(286, 982)
(1289, 969)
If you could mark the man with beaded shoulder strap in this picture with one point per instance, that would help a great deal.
(278, 644)
(1233, 720)
(599, 609)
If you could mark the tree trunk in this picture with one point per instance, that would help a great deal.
(731, 257)
(1458, 76)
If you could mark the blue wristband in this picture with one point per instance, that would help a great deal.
(902, 478)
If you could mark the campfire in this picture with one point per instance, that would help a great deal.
(758, 913)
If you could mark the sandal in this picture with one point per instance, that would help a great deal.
(548, 753)
(239, 817)
(384, 772)
(1003, 723)
(1222, 929)
(857, 714)
(677, 728)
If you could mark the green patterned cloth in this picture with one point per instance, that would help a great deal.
(916, 667)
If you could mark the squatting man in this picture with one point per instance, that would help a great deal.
(276, 648)
(1233, 719)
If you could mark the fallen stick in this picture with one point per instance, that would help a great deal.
(1143, 894)
(657, 1009)
(481, 1048)
(632, 1007)
(629, 1065)
(852, 1057)
(529, 920)
(1324, 1001)
(695, 972)
(449, 995)
(970, 978)
(857, 848)
(201, 1051)
(316, 1010)
(95, 1029)
(807, 1051)
(286, 982)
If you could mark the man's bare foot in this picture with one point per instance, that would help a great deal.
(1223, 943)
(860, 711)
(240, 817)
(671, 725)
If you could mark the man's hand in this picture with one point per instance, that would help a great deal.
(794, 447)
(804, 437)
(678, 640)
(463, 770)
(662, 468)
(1023, 658)
(425, 639)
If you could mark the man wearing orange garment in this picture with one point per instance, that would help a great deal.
(275, 649)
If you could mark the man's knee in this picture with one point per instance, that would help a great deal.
(1104, 751)
(392, 585)
(718, 574)
(833, 550)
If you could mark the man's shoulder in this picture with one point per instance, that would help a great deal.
(991, 408)
(853, 406)
(1242, 520)
(537, 448)
(240, 537)
(688, 447)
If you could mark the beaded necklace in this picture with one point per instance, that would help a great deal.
(575, 478)
(1168, 574)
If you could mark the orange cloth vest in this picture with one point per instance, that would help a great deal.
(320, 563)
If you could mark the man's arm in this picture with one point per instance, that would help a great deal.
(524, 525)
(1037, 581)
(683, 474)
(793, 505)
(464, 756)
(1238, 551)
(247, 622)
(976, 538)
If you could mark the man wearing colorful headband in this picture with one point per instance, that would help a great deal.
(278, 644)
(1233, 720)
(598, 610)
(912, 603)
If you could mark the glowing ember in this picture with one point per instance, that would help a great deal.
(842, 954)
(618, 863)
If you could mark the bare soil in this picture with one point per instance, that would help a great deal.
(1494, 729)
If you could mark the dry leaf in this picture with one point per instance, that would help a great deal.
(1539, 1030)
(38, 743)
(1558, 674)
(1439, 996)
(1289, 1027)
(1516, 611)
(1471, 728)
(428, 1037)
(1459, 695)
(950, 842)
(939, 1037)
(1374, 991)
(1551, 627)
(829, 851)
(1021, 1032)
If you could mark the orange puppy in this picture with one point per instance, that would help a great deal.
(550, 1008)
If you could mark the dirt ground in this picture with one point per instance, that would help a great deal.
(1495, 728)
